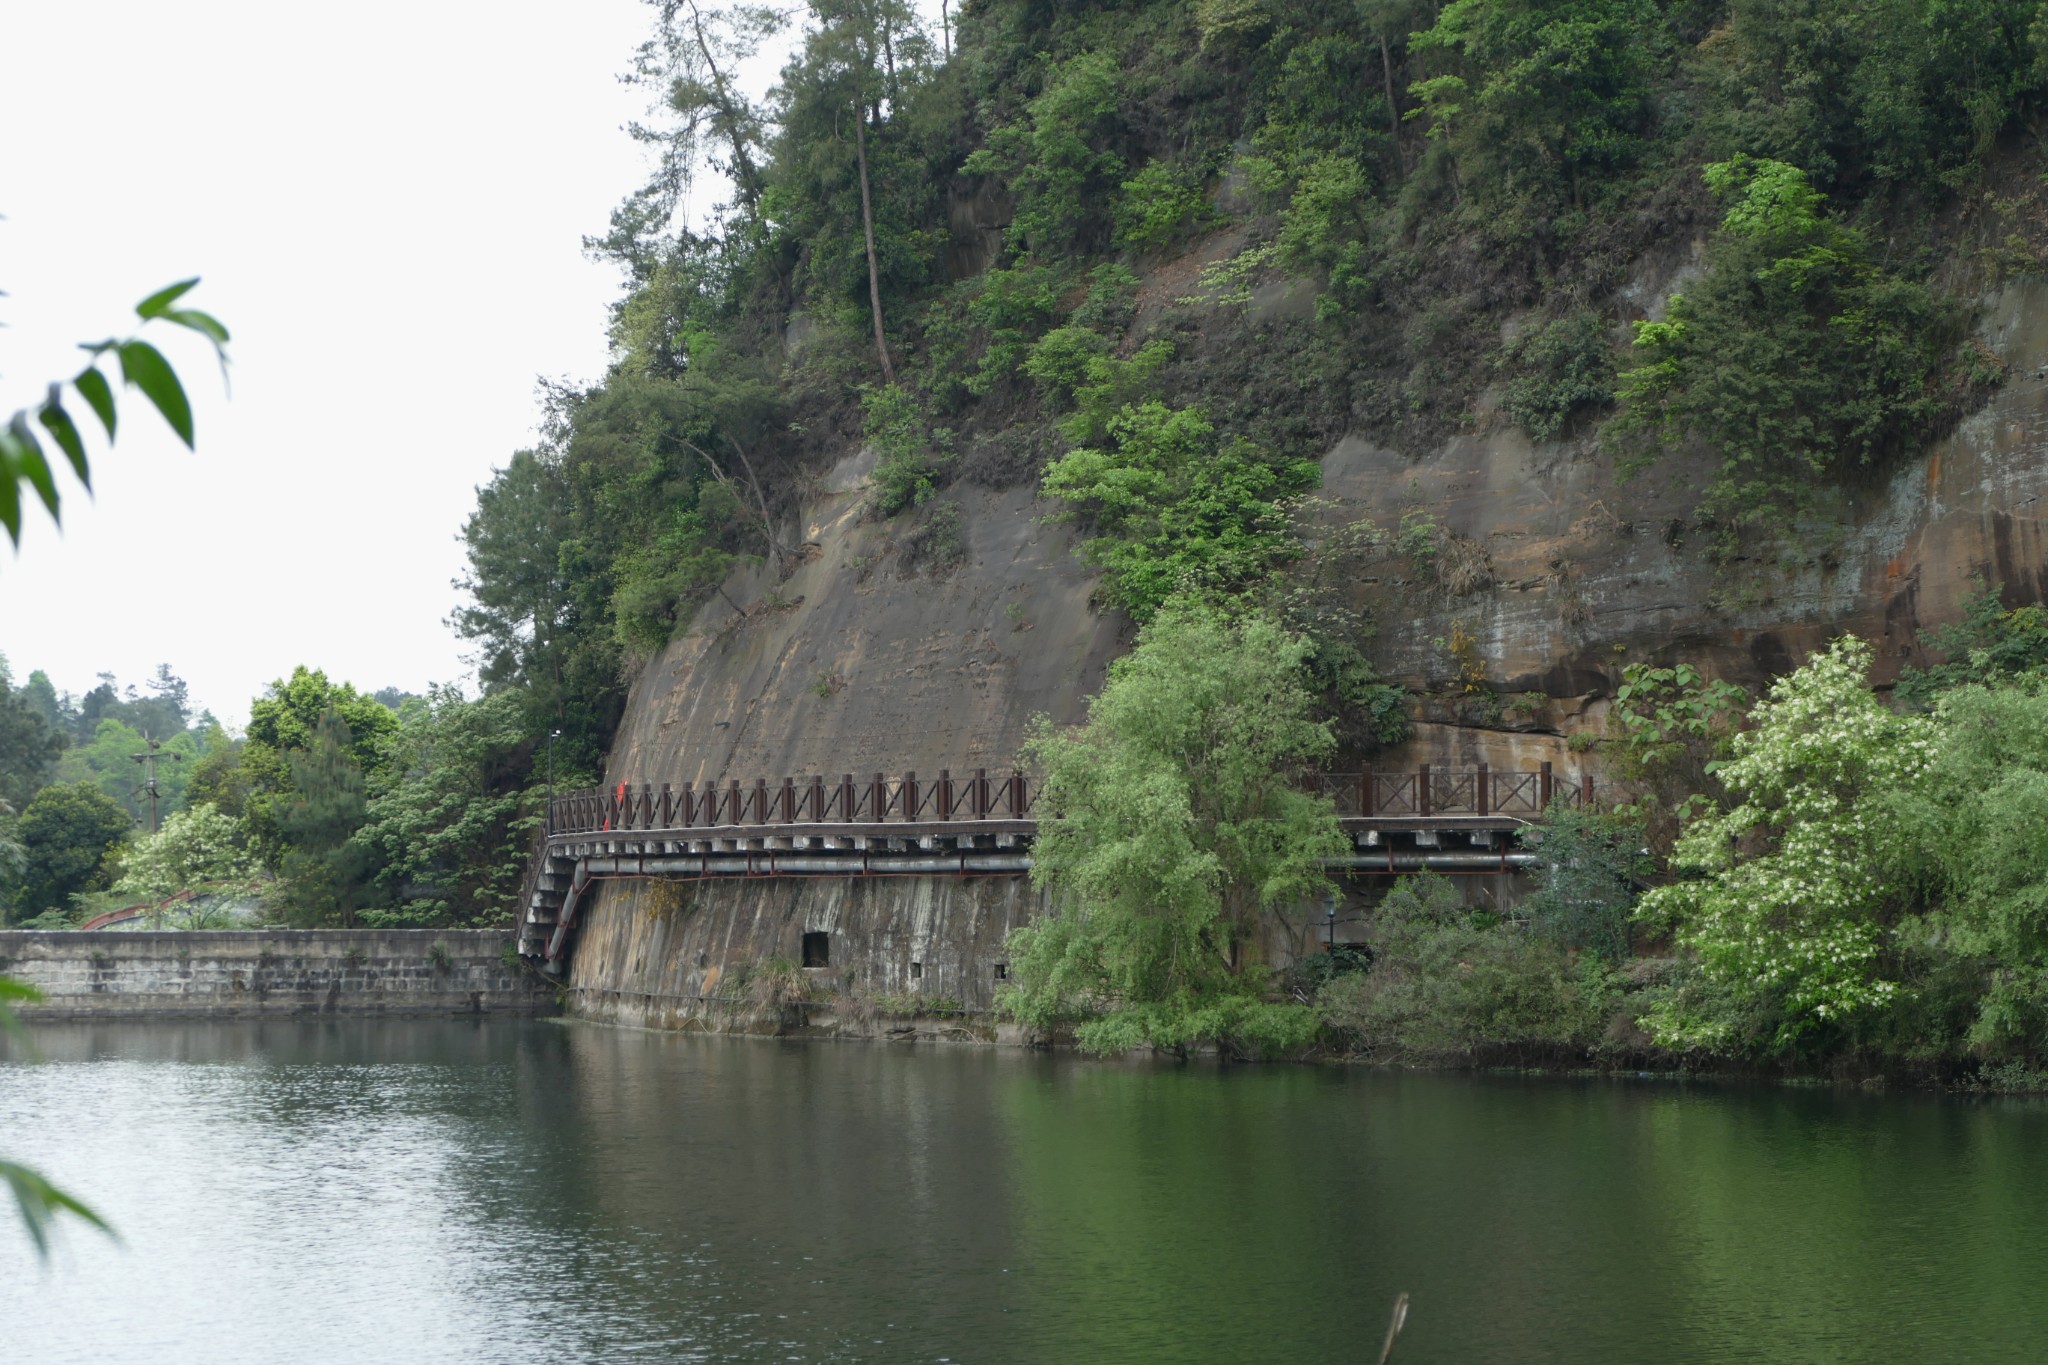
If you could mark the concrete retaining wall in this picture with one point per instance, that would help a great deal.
(272, 971)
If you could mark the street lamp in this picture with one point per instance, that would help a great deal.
(553, 735)
(1330, 916)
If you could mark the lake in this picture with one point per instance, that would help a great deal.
(512, 1191)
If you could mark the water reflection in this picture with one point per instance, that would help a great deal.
(521, 1191)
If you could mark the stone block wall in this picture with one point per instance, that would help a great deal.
(272, 971)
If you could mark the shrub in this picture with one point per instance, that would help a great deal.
(1797, 357)
(910, 452)
(1173, 507)
(1564, 367)
(1449, 984)
(1161, 206)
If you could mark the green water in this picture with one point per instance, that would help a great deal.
(365, 1192)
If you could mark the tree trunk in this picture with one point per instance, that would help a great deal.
(946, 27)
(744, 172)
(867, 225)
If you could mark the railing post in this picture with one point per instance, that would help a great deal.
(760, 798)
(1543, 787)
(945, 793)
(735, 803)
(689, 804)
(849, 801)
(788, 801)
(1020, 799)
(1483, 790)
(880, 793)
(668, 807)
(910, 802)
(1365, 792)
(818, 798)
(1424, 798)
(979, 800)
(647, 810)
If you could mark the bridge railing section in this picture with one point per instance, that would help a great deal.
(1427, 792)
(816, 800)
(1424, 793)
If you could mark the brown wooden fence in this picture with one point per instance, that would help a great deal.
(1375, 794)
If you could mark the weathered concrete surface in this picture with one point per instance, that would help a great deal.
(849, 665)
(275, 971)
(657, 954)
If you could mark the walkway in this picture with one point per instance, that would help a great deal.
(1429, 819)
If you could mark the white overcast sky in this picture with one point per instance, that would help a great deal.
(386, 202)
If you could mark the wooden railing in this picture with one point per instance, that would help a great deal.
(875, 800)
(1425, 793)
(1428, 792)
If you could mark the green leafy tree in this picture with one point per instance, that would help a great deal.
(198, 848)
(1063, 161)
(291, 711)
(66, 834)
(1974, 828)
(1990, 644)
(1168, 823)
(323, 871)
(1173, 507)
(23, 461)
(1448, 984)
(1544, 97)
(29, 742)
(447, 822)
(1591, 863)
(1796, 358)
(1789, 895)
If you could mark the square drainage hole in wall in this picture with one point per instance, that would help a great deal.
(817, 950)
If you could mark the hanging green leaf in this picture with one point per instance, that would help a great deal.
(145, 367)
(159, 304)
(29, 462)
(10, 487)
(99, 396)
(64, 432)
(41, 1202)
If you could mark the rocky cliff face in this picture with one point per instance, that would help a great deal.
(884, 650)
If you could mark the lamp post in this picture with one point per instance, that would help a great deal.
(553, 735)
(1330, 917)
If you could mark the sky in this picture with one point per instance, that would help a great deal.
(385, 202)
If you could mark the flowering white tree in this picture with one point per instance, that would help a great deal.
(1788, 895)
(199, 846)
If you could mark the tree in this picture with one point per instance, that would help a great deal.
(323, 871)
(847, 47)
(446, 823)
(66, 834)
(1543, 94)
(291, 711)
(1797, 357)
(691, 64)
(1790, 894)
(1167, 824)
(198, 847)
(29, 743)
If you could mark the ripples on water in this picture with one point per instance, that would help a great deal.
(369, 1192)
